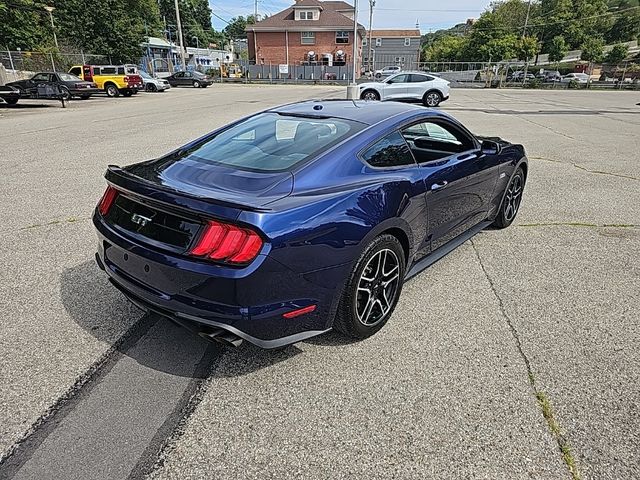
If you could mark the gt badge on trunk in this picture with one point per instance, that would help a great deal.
(140, 220)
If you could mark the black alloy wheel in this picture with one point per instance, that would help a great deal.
(373, 289)
(511, 202)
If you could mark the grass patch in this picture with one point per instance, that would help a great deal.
(554, 427)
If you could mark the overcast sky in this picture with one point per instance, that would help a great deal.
(431, 15)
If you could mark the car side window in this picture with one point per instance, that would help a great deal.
(417, 78)
(390, 151)
(399, 79)
(77, 71)
(433, 140)
(41, 77)
(178, 75)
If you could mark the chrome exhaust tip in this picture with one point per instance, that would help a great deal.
(222, 336)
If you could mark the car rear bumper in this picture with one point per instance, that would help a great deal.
(84, 91)
(249, 302)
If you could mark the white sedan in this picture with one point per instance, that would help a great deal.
(408, 86)
(578, 77)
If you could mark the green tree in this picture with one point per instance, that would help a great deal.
(558, 49)
(237, 25)
(527, 48)
(195, 17)
(592, 50)
(451, 48)
(617, 54)
(626, 26)
(23, 24)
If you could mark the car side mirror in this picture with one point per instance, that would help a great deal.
(489, 147)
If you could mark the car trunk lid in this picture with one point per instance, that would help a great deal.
(167, 207)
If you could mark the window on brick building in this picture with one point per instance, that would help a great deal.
(308, 38)
(342, 37)
(407, 42)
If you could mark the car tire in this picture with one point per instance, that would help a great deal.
(66, 94)
(111, 90)
(127, 93)
(371, 293)
(85, 97)
(432, 99)
(511, 202)
(378, 75)
(152, 88)
(196, 84)
(370, 95)
(12, 101)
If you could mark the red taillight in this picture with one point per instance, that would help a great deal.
(300, 311)
(227, 243)
(107, 199)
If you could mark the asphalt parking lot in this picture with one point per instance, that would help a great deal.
(516, 356)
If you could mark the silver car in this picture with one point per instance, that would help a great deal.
(408, 86)
(152, 84)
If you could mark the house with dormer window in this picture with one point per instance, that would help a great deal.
(310, 32)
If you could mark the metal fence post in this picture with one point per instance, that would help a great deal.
(15, 75)
(53, 65)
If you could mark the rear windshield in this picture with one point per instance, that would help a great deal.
(66, 77)
(270, 142)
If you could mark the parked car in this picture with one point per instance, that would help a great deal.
(386, 71)
(549, 76)
(70, 85)
(408, 86)
(190, 79)
(577, 77)
(9, 95)
(152, 84)
(520, 76)
(114, 80)
(302, 218)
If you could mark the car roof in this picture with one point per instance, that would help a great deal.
(362, 111)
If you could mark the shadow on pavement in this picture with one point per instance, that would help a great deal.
(248, 359)
(94, 304)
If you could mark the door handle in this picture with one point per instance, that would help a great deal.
(438, 186)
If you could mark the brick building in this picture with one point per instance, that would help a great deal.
(310, 32)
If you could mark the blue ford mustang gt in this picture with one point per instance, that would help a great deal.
(302, 218)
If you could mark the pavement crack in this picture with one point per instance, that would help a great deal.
(546, 127)
(64, 221)
(541, 397)
(578, 224)
(585, 169)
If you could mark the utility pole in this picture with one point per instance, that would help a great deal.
(372, 3)
(184, 63)
(524, 34)
(352, 88)
(255, 11)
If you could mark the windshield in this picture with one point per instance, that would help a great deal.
(270, 142)
(67, 77)
(145, 75)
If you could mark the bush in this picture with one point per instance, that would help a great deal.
(535, 83)
(574, 85)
